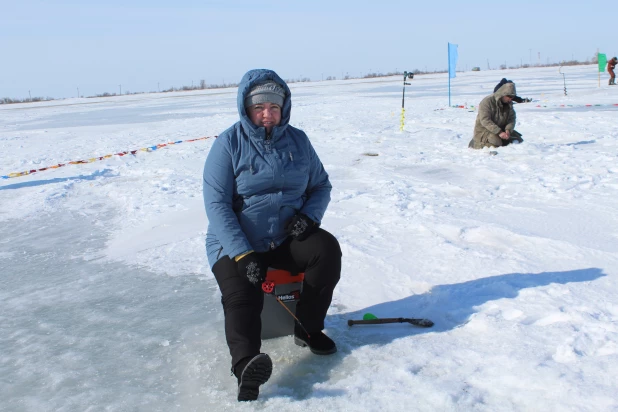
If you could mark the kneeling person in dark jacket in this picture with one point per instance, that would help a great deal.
(265, 193)
(495, 122)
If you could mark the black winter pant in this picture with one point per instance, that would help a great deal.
(318, 256)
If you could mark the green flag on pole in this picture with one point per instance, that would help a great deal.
(602, 62)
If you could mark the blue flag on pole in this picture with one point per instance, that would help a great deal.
(452, 60)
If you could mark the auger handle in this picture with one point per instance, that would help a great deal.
(375, 321)
(426, 323)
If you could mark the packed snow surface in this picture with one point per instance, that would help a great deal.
(107, 302)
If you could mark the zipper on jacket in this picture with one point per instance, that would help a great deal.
(267, 142)
(272, 245)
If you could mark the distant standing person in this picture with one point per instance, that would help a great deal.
(611, 64)
(495, 122)
(265, 193)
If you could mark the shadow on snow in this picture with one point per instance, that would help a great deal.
(449, 306)
(92, 176)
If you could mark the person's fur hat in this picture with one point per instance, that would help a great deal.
(268, 92)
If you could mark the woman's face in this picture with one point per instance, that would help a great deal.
(266, 115)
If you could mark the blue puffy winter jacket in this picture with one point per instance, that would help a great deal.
(253, 186)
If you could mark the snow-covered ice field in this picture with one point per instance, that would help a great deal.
(107, 302)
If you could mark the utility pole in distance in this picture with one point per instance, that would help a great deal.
(120, 88)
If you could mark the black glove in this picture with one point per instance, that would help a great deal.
(300, 227)
(252, 267)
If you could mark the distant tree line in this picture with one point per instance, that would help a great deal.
(562, 63)
(203, 85)
(8, 100)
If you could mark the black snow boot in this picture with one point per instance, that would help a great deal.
(251, 373)
(318, 342)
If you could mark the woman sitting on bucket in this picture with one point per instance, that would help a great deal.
(265, 193)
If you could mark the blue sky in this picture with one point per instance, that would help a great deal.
(51, 48)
